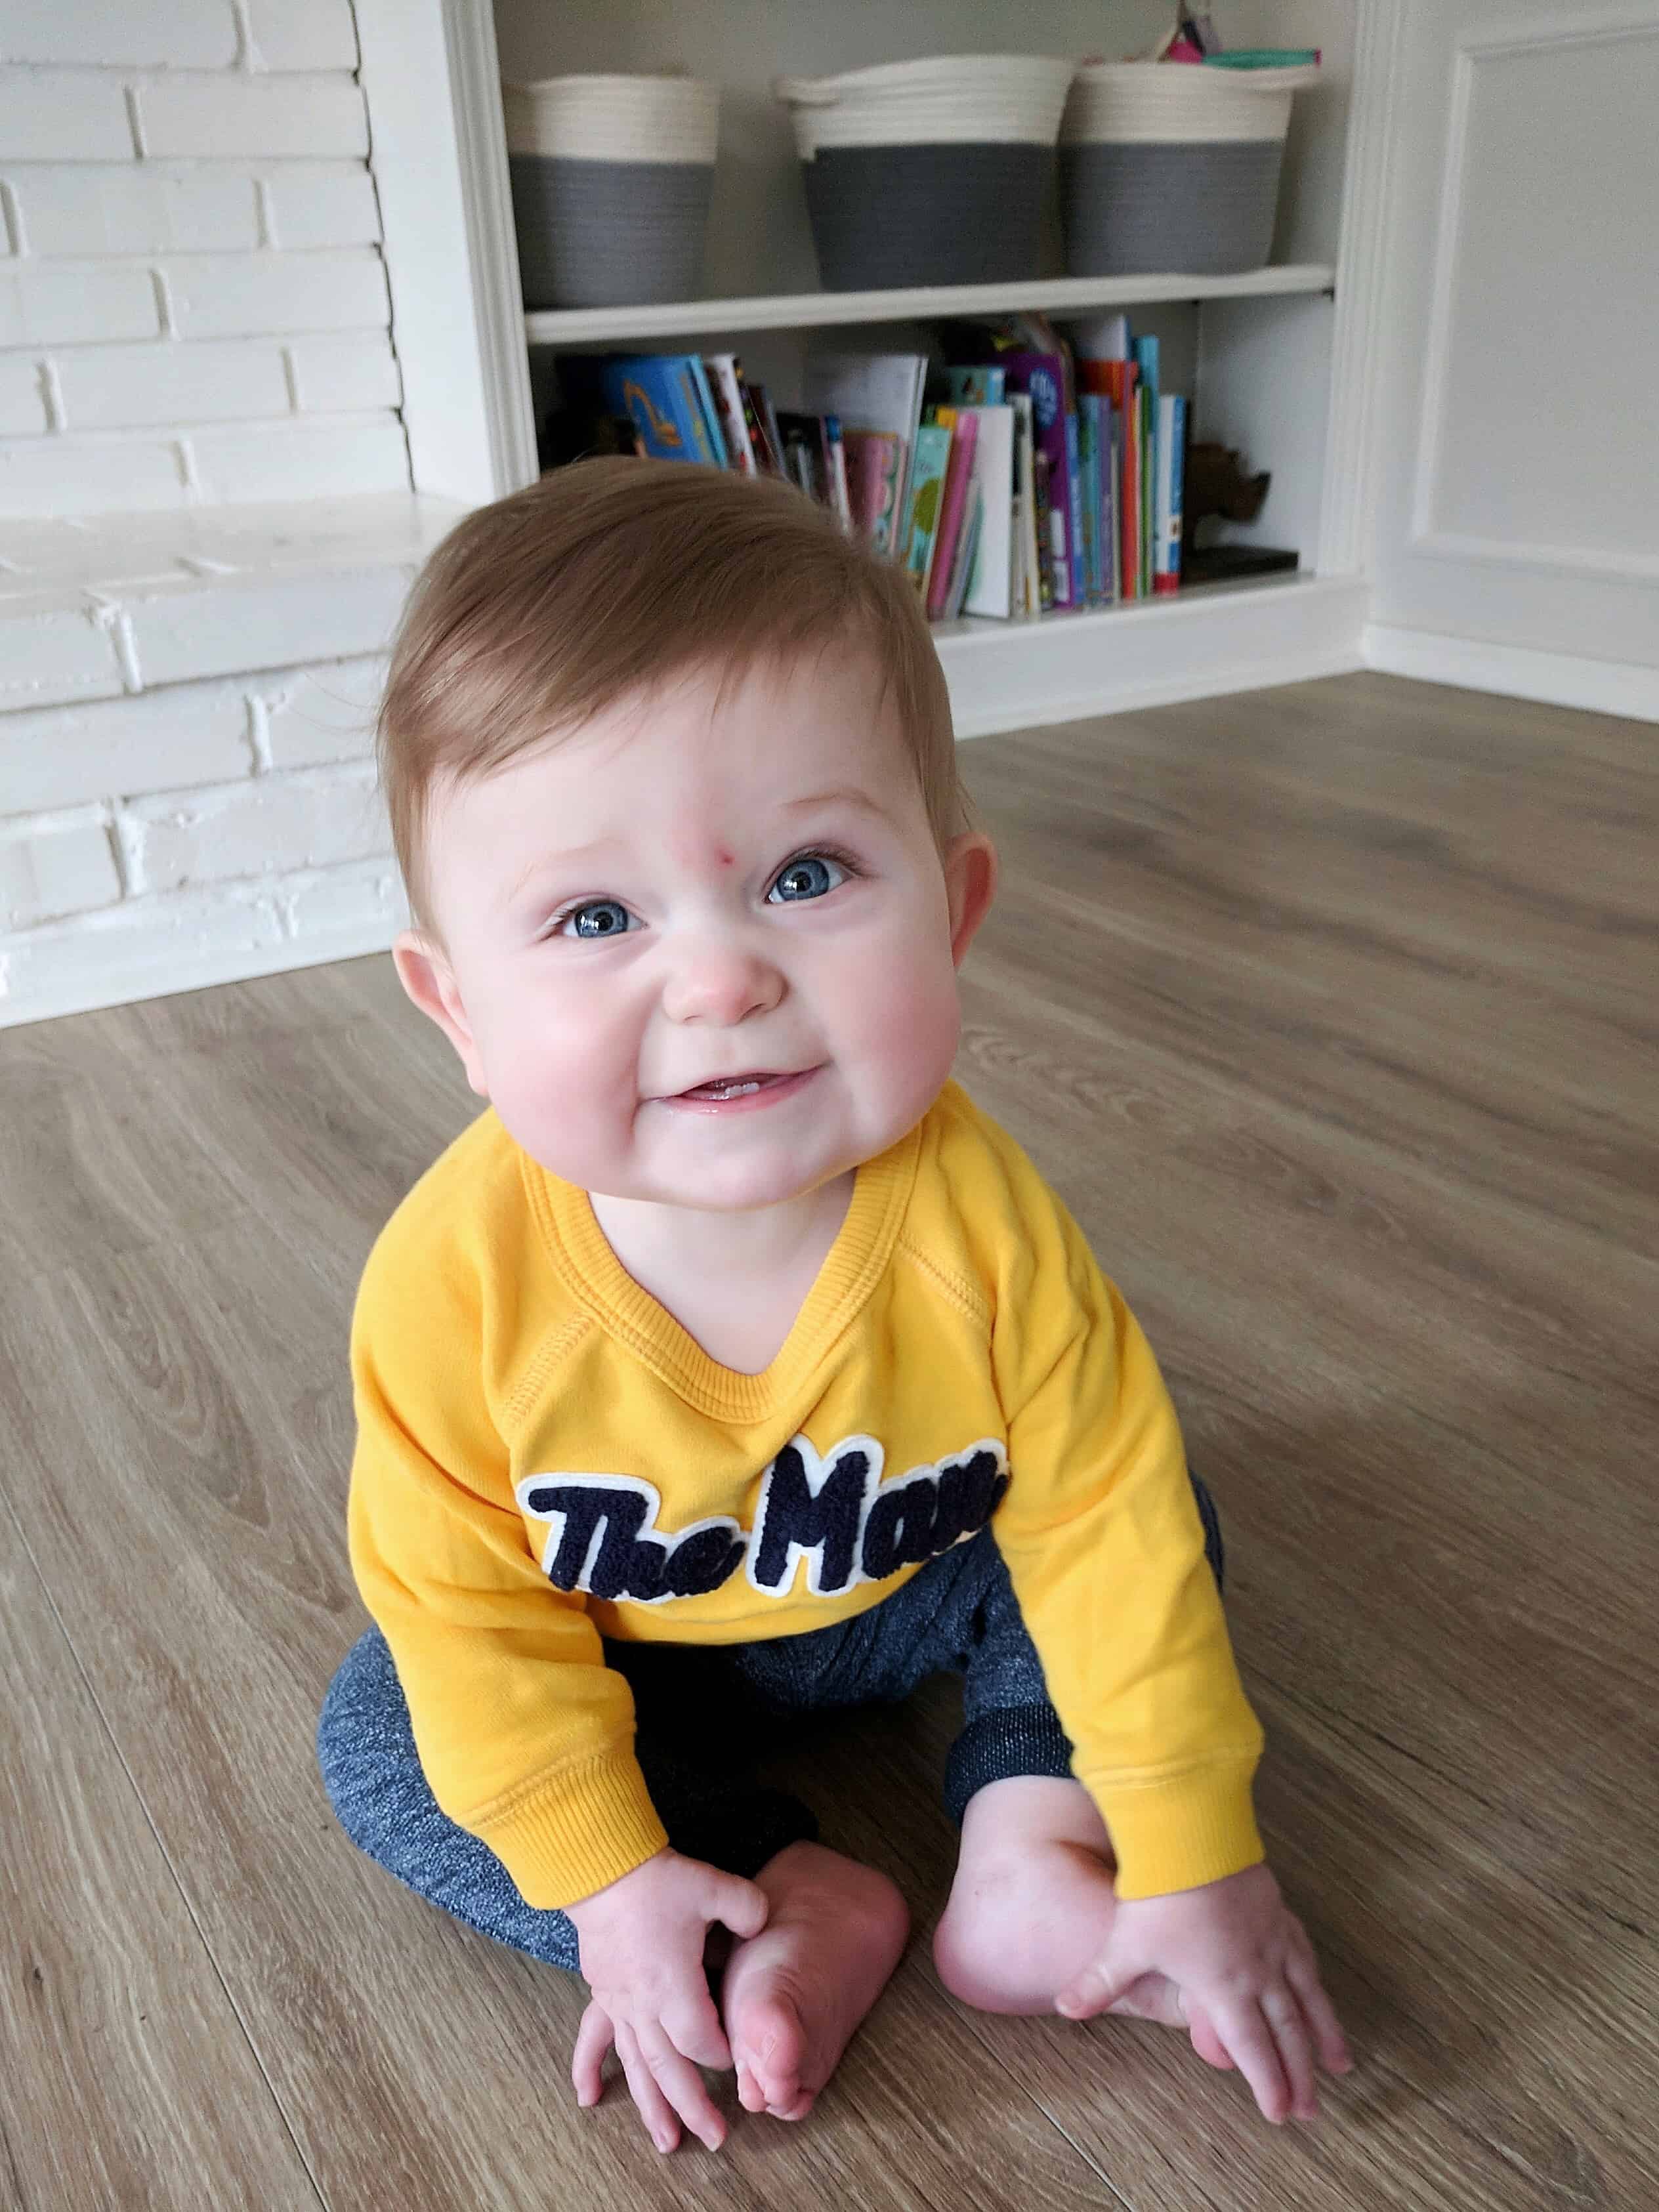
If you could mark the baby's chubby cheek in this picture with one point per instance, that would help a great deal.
(908, 1022)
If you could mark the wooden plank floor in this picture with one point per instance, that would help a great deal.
(1333, 1012)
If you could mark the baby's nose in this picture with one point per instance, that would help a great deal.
(722, 984)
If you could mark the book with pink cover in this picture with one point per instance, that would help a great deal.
(875, 469)
(958, 476)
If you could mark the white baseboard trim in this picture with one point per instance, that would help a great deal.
(1013, 675)
(165, 969)
(1516, 671)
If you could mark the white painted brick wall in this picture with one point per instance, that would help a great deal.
(190, 733)
(193, 318)
(124, 387)
(215, 295)
(56, 864)
(63, 115)
(270, 825)
(44, 306)
(256, 840)
(176, 174)
(120, 33)
(23, 397)
(303, 34)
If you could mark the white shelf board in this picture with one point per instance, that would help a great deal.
(792, 310)
(1207, 639)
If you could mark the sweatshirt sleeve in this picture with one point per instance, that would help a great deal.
(525, 1736)
(1105, 1550)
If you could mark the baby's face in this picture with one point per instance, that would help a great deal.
(703, 953)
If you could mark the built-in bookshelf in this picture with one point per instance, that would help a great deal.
(1252, 351)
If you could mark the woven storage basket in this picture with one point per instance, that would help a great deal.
(610, 181)
(1173, 166)
(931, 172)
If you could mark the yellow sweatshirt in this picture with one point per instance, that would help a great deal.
(544, 1456)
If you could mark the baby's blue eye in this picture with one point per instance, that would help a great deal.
(599, 918)
(808, 877)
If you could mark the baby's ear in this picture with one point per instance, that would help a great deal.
(970, 883)
(424, 971)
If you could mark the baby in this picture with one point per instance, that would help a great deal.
(733, 1364)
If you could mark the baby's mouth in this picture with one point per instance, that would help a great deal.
(731, 1086)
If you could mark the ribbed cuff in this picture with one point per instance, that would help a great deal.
(1180, 1833)
(585, 1828)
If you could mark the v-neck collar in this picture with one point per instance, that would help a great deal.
(603, 1288)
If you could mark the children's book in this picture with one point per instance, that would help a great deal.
(953, 505)
(875, 466)
(874, 392)
(1111, 492)
(1147, 364)
(1088, 439)
(654, 393)
(974, 387)
(1028, 591)
(962, 567)
(990, 582)
(1171, 471)
(709, 410)
(800, 460)
(928, 464)
(1115, 379)
(725, 373)
(1021, 347)
(835, 448)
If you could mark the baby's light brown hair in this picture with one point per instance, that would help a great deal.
(615, 575)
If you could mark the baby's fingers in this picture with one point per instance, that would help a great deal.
(1302, 1971)
(654, 2108)
(1249, 2041)
(682, 2085)
(593, 2039)
(1282, 2010)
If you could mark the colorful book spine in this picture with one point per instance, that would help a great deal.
(961, 569)
(1111, 498)
(930, 461)
(1043, 375)
(1148, 478)
(1172, 487)
(653, 392)
(839, 499)
(976, 387)
(1074, 513)
(725, 373)
(1028, 595)
(703, 392)
(952, 509)
(1089, 439)
(875, 462)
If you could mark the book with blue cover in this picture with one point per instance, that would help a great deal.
(929, 461)
(1090, 406)
(974, 386)
(704, 390)
(653, 390)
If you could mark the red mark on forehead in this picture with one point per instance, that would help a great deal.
(725, 858)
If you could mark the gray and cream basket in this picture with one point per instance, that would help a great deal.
(932, 172)
(1173, 166)
(610, 177)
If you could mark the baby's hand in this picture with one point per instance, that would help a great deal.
(641, 1943)
(1245, 1976)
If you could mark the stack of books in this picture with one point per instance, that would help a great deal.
(1029, 474)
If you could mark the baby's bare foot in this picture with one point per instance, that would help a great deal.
(792, 1997)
